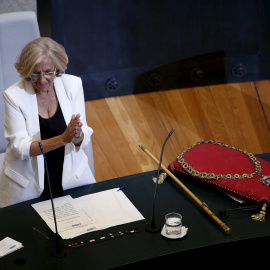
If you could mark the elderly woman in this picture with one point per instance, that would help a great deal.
(45, 108)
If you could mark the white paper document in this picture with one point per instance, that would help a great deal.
(8, 245)
(88, 213)
(68, 215)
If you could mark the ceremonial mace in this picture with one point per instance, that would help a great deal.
(203, 205)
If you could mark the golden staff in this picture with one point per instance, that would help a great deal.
(203, 205)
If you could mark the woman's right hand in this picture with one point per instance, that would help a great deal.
(71, 129)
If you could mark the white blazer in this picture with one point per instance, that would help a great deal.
(22, 176)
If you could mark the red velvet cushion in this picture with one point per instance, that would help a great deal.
(209, 157)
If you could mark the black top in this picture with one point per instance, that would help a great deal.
(49, 128)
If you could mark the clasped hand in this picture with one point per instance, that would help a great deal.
(73, 130)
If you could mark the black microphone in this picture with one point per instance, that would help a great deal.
(153, 227)
(59, 252)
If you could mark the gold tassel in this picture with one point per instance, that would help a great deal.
(161, 178)
(261, 215)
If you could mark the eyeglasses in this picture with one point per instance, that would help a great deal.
(48, 75)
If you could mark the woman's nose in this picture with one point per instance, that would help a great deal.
(42, 78)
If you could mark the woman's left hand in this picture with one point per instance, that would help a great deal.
(78, 138)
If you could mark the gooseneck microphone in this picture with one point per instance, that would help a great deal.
(153, 227)
(59, 252)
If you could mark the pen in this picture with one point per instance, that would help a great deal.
(48, 238)
(121, 188)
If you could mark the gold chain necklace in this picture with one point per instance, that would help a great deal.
(212, 176)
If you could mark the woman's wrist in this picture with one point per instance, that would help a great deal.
(77, 137)
(78, 140)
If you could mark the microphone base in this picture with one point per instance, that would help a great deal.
(153, 228)
(59, 253)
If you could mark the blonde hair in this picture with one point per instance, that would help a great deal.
(38, 50)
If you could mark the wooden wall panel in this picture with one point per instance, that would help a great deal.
(258, 121)
(263, 88)
(196, 113)
(231, 113)
(243, 117)
(228, 117)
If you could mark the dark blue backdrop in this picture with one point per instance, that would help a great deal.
(121, 47)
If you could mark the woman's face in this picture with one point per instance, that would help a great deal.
(42, 83)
